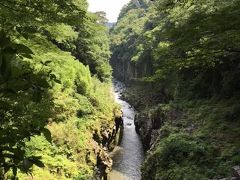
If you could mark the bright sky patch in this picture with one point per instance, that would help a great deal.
(111, 7)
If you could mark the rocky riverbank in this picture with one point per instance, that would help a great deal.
(104, 142)
(185, 138)
(144, 100)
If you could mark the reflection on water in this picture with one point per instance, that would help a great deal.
(128, 156)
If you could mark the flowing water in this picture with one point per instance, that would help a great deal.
(128, 156)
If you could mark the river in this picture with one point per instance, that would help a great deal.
(128, 156)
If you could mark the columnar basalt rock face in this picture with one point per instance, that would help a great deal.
(127, 70)
(123, 70)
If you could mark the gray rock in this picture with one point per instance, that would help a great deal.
(236, 172)
(143, 127)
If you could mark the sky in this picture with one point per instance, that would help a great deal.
(111, 7)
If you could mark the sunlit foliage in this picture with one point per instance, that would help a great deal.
(50, 101)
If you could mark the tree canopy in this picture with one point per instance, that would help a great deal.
(180, 37)
(181, 61)
(53, 55)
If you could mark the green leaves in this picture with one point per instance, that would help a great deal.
(41, 81)
(29, 162)
(92, 47)
(23, 50)
(45, 63)
(26, 18)
(177, 38)
(4, 39)
(9, 47)
(47, 135)
(54, 78)
(36, 161)
(19, 160)
(8, 52)
(14, 170)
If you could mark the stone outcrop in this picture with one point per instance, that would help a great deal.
(150, 116)
(127, 70)
(143, 128)
(147, 125)
(104, 142)
(236, 172)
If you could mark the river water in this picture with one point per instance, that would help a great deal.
(128, 156)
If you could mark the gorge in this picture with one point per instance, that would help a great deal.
(128, 155)
(180, 62)
(154, 96)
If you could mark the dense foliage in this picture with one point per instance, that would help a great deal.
(192, 39)
(185, 56)
(54, 90)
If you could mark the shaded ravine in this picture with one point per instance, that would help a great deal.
(128, 156)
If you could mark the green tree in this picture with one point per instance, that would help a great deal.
(43, 87)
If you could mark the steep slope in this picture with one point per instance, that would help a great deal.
(57, 110)
(181, 62)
